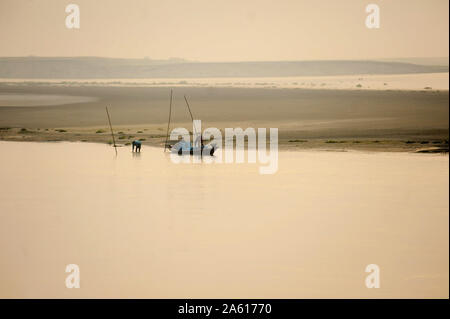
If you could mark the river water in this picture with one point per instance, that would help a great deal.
(138, 225)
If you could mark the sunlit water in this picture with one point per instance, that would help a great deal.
(140, 226)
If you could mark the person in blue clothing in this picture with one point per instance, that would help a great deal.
(136, 145)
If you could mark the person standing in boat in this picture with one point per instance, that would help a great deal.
(136, 145)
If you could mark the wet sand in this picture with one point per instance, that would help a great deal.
(140, 226)
(307, 119)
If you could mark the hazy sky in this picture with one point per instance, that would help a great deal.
(225, 30)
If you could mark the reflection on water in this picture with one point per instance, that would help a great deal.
(136, 155)
(139, 225)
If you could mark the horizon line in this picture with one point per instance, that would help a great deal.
(175, 59)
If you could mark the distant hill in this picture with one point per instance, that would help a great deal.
(437, 61)
(95, 68)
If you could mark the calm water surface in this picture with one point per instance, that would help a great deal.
(141, 226)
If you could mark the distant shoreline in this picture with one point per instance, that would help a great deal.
(95, 67)
(306, 118)
(403, 82)
(424, 145)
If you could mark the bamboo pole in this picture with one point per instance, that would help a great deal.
(189, 109)
(193, 125)
(112, 132)
(168, 122)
